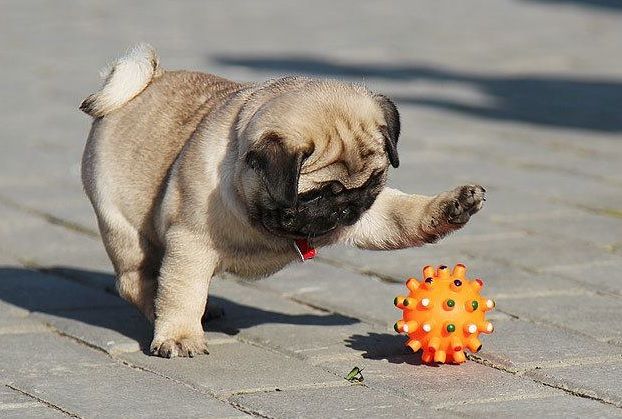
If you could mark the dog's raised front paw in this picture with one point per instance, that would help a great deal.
(463, 202)
(451, 210)
(188, 346)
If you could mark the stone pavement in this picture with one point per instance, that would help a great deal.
(522, 96)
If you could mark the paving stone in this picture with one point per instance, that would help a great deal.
(440, 386)
(601, 381)
(572, 225)
(556, 407)
(35, 291)
(533, 252)
(354, 401)
(20, 229)
(589, 314)
(245, 306)
(113, 330)
(15, 405)
(337, 289)
(88, 383)
(396, 265)
(12, 324)
(237, 367)
(518, 345)
(504, 204)
(599, 274)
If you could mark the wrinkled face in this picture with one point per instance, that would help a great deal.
(322, 210)
(316, 159)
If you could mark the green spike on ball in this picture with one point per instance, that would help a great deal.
(451, 328)
(451, 303)
(474, 304)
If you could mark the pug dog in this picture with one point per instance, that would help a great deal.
(191, 175)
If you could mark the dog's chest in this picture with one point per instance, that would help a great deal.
(257, 262)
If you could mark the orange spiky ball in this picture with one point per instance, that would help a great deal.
(444, 314)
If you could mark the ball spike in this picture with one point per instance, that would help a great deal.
(414, 344)
(471, 305)
(485, 327)
(434, 344)
(427, 357)
(440, 356)
(412, 284)
(489, 305)
(410, 326)
(443, 272)
(428, 271)
(470, 328)
(474, 345)
(410, 303)
(456, 285)
(455, 343)
(477, 284)
(399, 326)
(426, 303)
(429, 283)
(399, 301)
(426, 327)
(459, 271)
(449, 304)
(458, 357)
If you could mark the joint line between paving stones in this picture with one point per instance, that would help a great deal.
(51, 219)
(42, 401)
(578, 393)
(223, 397)
(517, 373)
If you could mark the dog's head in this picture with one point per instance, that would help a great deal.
(315, 155)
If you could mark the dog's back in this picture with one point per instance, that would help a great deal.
(143, 117)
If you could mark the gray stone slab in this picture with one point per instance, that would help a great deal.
(505, 205)
(396, 265)
(113, 330)
(88, 383)
(560, 406)
(503, 281)
(16, 405)
(11, 324)
(591, 314)
(354, 401)
(533, 252)
(245, 306)
(601, 381)
(237, 367)
(518, 345)
(571, 225)
(34, 241)
(440, 386)
(599, 275)
(35, 291)
(337, 289)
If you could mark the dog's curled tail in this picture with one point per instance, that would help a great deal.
(123, 80)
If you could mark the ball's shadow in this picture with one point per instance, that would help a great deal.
(384, 346)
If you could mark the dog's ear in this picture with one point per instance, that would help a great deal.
(391, 131)
(278, 166)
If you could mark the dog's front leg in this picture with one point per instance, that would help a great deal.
(398, 220)
(187, 268)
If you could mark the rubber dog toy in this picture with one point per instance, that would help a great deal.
(444, 314)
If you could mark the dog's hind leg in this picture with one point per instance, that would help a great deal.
(136, 260)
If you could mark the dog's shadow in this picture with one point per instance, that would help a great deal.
(89, 297)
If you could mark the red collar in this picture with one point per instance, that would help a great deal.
(304, 249)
